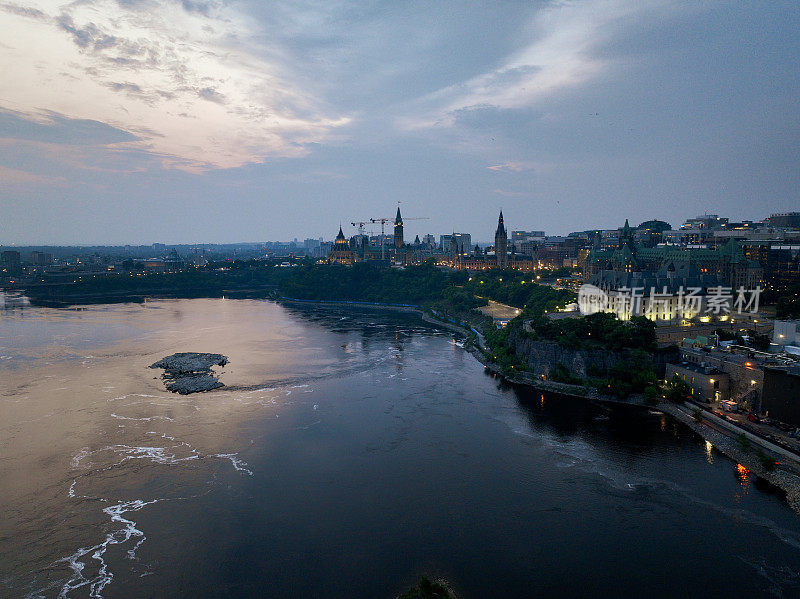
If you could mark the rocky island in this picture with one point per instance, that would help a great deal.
(190, 372)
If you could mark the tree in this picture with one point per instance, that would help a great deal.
(677, 390)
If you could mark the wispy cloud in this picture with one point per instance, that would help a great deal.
(14, 178)
(185, 77)
(22, 11)
(564, 52)
(514, 167)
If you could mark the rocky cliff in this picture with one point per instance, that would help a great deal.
(543, 356)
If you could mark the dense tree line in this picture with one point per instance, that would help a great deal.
(602, 330)
(191, 283)
(518, 289)
(424, 284)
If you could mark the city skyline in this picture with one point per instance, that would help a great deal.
(351, 230)
(193, 122)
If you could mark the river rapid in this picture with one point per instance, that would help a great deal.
(350, 451)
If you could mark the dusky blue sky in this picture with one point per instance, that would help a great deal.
(135, 121)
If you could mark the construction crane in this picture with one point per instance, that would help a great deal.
(360, 224)
(383, 222)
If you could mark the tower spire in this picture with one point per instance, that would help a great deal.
(501, 243)
(398, 229)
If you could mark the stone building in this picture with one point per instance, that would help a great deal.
(706, 382)
(398, 230)
(341, 253)
(745, 374)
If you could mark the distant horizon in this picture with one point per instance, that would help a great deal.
(300, 240)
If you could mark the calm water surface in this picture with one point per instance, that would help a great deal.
(350, 452)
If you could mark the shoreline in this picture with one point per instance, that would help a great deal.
(784, 477)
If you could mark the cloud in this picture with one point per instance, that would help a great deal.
(188, 80)
(22, 11)
(564, 52)
(15, 178)
(49, 127)
(514, 167)
(212, 95)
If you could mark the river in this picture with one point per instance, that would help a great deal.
(350, 452)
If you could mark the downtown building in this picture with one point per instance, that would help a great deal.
(672, 284)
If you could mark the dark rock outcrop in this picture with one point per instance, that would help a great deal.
(542, 356)
(190, 372)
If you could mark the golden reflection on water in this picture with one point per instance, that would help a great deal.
(81, 384)
(709, 452)
(742, 475)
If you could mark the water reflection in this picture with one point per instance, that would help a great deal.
(320, 464)
(13, 300)
(742, 475)
(709, 452)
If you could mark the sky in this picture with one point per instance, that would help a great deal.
(221, 121)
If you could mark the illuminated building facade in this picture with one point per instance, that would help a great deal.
(341, 253)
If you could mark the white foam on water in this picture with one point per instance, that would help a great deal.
(159, 455)
(238, 464)
(127, 395)
(75, 461)
(78, 561)
(104, 576)
(143, 419)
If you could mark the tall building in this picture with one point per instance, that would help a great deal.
(398, 230)
(41, 258)
(501, 243)
(785, 219)
(341, 252)
(456, 243)
(11, 262)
